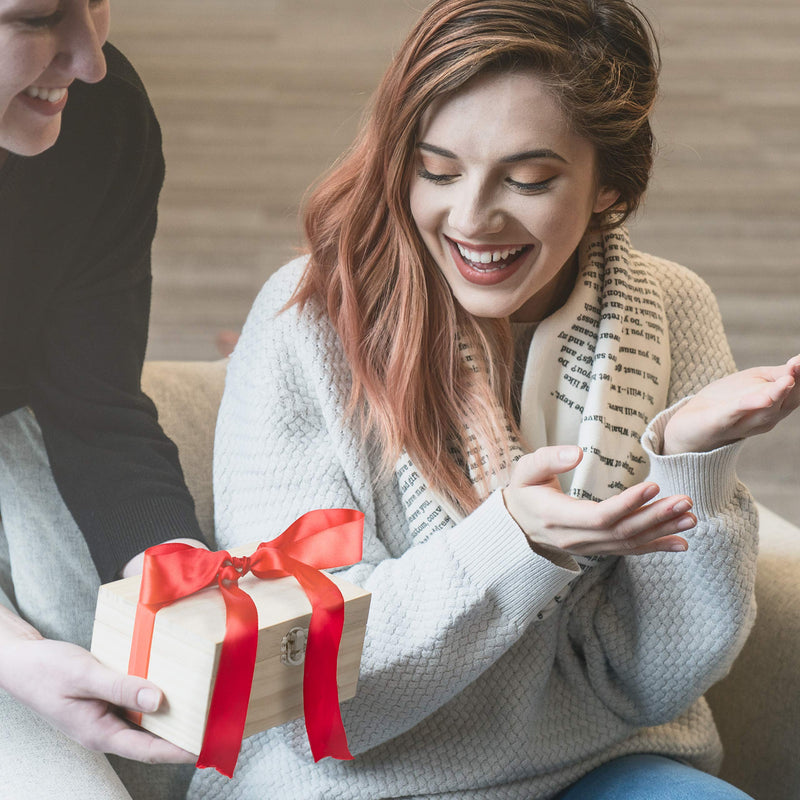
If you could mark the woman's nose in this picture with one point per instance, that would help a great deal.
(474, 213)
(81, 52)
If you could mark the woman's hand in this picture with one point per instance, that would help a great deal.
(136, 564)
(69, 688)
(624, 525)
(743, 404)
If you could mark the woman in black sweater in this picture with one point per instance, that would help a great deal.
(81, 169)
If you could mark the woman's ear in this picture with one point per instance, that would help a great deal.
(606, 197)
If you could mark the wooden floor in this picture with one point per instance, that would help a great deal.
(257, 97)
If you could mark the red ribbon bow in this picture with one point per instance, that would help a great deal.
(317, 540)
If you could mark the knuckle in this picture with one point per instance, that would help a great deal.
(627, 547)
(71, 673)
(117, 691)
(90, 741)
(604, 519)
(571, 542)
(623, 539)
(525, 466)
(151, 753)
(547, 525)
(666, 513)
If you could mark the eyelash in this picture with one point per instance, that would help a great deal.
(530, 188)
(434, 178)
(525, 188)
(51, 20)
(40, 23)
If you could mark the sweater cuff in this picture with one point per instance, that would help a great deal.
(130, 528)
(708, 478)
(496, 554)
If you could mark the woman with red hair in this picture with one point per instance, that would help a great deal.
(539, 423)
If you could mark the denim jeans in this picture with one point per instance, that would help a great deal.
(53, 579)
(650, 777)
(48, 577)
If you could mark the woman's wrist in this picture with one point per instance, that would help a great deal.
(672, 445)
(660, 438)
(675, 444)
(14, 628)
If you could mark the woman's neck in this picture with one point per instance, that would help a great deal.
(552, 296)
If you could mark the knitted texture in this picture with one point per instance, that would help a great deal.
(462, 692)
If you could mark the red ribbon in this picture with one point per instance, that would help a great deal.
(317, 540)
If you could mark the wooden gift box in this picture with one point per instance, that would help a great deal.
(187, 639)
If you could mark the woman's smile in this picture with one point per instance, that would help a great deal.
(43, 100)
(486, 265)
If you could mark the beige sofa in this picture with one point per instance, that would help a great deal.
(757, 706)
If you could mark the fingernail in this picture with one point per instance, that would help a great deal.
(678, 548)
(147, 700)
(681, 506)
(651, 491)
(686, 523)
(567, 455)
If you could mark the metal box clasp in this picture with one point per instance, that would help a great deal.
(293, 647)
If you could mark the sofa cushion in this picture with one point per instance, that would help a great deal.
(757, 706)
(187, 395)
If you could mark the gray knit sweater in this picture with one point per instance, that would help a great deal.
(463, 693)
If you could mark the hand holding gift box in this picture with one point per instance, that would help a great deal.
(222, 634)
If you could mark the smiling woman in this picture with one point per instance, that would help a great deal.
(537, 426)
(88, 479)
(503, 194)
(44, 47)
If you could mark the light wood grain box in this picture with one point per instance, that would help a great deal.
(187, 640)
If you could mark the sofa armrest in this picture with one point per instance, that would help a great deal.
(187, 395)
(757, 706)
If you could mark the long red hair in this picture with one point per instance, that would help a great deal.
(398, 322)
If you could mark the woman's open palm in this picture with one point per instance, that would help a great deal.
(743, 404)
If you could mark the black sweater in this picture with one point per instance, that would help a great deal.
(76, 226)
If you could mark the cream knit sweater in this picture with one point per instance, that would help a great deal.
(463, 693)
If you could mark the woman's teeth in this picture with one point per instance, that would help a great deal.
(51, 95)
(487, 256)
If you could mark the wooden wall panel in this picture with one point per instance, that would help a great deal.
(258, 97)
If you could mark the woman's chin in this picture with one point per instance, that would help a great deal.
(31, 144)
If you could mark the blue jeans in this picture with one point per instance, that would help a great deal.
(649, 777)
(47, 576)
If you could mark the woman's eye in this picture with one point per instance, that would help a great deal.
(529, 188)
(39, 23)
(434, 177)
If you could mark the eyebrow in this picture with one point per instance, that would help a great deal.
(528, 155)
(16, 13)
